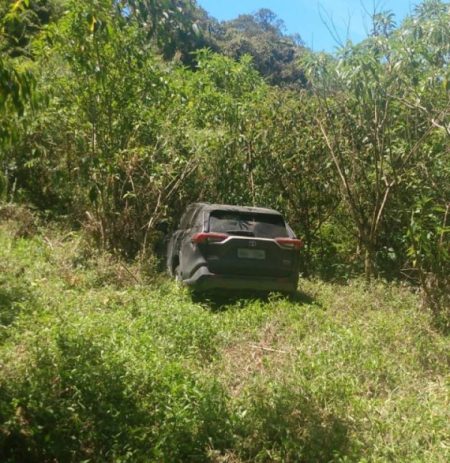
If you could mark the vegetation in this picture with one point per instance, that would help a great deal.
(114, 115)
(101, 364)
(261, 35)
(98, 126)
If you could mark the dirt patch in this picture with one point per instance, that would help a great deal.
(248, 358)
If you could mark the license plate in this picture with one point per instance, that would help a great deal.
(251, 253)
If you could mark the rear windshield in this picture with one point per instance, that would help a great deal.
(247, 224)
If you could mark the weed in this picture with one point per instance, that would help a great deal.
(96, 366)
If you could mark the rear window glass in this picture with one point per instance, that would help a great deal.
(247, 224)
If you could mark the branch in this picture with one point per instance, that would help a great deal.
(331, 26)
(340, 172)
(268, 349)
(380, 210)
(444, 224)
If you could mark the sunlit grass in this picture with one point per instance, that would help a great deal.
(98, 365)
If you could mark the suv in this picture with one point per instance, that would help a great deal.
(233, 247)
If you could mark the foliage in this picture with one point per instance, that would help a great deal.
(100, 371)
(177, 27)
(16, 93)
(22, 20)
(376, 128)
(104, 127)
(428, 236)
(103, 124)
(261, 35)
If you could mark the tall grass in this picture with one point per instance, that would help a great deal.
(98, 364)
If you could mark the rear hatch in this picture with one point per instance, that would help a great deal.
(254, 244)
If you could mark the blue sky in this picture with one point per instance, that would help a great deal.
(304, 16)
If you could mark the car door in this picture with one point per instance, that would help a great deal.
(175, 243)
(190, 257)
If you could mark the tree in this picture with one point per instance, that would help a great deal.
(17, 84)
(22, 20)
(374, 134)
(177, 27)
(261, 35)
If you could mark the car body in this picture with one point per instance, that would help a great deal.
(220, 246)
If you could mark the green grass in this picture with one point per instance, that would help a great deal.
(100, 363)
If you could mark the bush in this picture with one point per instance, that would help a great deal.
(140, 372)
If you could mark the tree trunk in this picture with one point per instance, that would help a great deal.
(369, 266)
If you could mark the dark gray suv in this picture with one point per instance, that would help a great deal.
(233, 247)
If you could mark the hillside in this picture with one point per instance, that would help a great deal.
(114, 117)
(102, 363)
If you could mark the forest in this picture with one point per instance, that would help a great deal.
(117, 114)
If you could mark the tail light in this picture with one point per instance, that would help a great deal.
(210, 237)
(290, 243)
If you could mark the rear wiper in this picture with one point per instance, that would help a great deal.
(240, 233)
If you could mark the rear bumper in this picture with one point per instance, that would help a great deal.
(204, 280)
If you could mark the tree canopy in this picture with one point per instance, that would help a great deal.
(119, 113)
